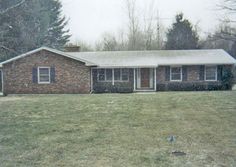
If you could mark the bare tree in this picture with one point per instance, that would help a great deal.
(229, 33)
(144, 34)
(144, 30)
(133, 24)
(229, 5)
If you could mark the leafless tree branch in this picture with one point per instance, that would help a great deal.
(12, 7)
(8, 49)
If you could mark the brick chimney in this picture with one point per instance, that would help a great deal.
(72, 48)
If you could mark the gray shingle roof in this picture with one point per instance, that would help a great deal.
(155, 58)
(142, 58)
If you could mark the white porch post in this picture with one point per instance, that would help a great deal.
(134, 80)
(113, 77)
(91, 82)
(1, 89)
(155, 78)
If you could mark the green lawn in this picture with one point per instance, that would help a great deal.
(118, 130)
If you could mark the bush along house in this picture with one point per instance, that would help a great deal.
(49, 71)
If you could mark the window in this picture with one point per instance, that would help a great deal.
(101, 75)
(108, 74)
(121, 74)
(105, 75)
(117, 74)
(176, 74)
(210, 73)
(44, 75)
(125, 75)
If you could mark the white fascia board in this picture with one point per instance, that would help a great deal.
(196, 64)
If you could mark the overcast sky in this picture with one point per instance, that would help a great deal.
(89, 19)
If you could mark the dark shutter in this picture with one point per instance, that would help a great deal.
(35, 75)
(185, 73)
(52, 75)
(202, 73)
(167, 73)
(219, 73)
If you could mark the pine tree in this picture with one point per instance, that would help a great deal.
(30, 25)
(181, 35)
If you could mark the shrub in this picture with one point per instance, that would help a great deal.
(108, 88)
(227, 79)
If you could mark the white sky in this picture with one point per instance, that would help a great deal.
(89, 19)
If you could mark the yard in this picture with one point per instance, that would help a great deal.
(118, 130)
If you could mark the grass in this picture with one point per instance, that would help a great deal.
(118, 130)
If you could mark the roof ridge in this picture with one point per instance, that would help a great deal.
(116, 51)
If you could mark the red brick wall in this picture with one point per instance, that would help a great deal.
(192, 74)
(71, 76)
(193, 81)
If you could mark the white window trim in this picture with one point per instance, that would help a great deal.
(121, 74)
(181, 74)
(113, 75)
(216, 72)
(119, 80)
(104, 75)
(49, 70)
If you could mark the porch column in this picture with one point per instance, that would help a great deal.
(113, 77)
(134, 80)
(1, 81)
(91, 82)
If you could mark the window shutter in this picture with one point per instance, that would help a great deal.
(219, 73)
(167, 73)
(35, 75)
(185, 73)
(52, 75)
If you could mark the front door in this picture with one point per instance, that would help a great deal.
(145, 78)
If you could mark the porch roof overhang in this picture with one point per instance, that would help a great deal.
(114, 66)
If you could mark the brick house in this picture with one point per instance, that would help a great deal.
(49, 71)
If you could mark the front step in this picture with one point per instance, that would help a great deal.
(234, 87)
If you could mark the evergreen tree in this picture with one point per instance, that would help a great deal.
(30, 25)
(181, 35)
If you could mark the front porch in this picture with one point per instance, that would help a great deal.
(120, 80)
(144, 79)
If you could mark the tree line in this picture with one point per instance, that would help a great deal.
(152, 35)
